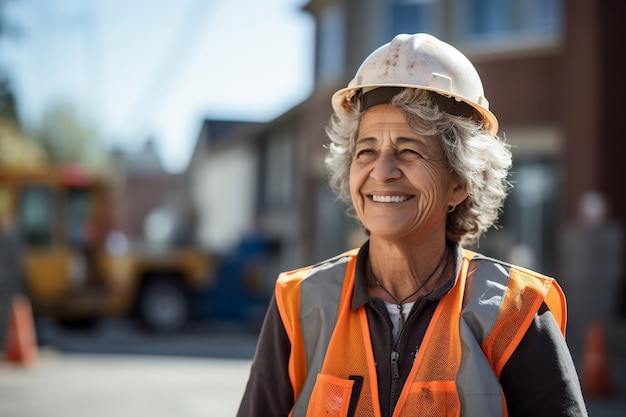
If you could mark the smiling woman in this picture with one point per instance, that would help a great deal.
(399, 178)
(412, 323)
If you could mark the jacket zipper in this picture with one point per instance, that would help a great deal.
(395, 357)
(395, 369)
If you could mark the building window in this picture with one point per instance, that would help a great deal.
(493, 19)
(411, 16)
(331, 50)
(531, 213)
(528, 227)
(483, 25)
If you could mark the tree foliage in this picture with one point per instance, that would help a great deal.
(16, 147)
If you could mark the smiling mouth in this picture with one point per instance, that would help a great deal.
(390, 198)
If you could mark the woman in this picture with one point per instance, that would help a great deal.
(411, 323)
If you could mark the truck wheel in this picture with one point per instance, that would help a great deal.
(163, 305)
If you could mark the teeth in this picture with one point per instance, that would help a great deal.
(389, 198)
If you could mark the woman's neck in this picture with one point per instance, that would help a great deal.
(402, 268)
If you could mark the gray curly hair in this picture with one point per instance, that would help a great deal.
(479, 159)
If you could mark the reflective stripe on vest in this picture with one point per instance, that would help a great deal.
(457, 368)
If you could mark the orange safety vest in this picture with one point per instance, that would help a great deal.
(473, 332)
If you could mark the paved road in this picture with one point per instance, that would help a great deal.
(101, 385)
(116, 368)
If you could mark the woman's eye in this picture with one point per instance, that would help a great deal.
(410, 152)
(364, 152)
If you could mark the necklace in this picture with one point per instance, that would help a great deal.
(399, 303)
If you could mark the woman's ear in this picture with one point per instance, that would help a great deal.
(459, 193)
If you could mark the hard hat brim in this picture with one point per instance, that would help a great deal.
(342, 101)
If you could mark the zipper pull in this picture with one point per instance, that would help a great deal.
(395, 370)
(414, 354)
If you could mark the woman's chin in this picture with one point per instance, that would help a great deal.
(389, 231)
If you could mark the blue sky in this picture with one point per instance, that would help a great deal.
(157, 68)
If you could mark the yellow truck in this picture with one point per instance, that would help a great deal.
(74, 267)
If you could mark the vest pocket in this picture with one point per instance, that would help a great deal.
(330, 396)
(433, 398)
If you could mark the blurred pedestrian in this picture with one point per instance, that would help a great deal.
(412, 323)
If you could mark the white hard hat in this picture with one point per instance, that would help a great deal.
(420, 61)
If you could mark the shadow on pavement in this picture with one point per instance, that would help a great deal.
(121, 336)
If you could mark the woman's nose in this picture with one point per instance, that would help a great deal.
(386, 167)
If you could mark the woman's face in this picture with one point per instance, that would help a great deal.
(400, 183)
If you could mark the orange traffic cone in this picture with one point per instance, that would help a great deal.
(595, 378)
(21, 341)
